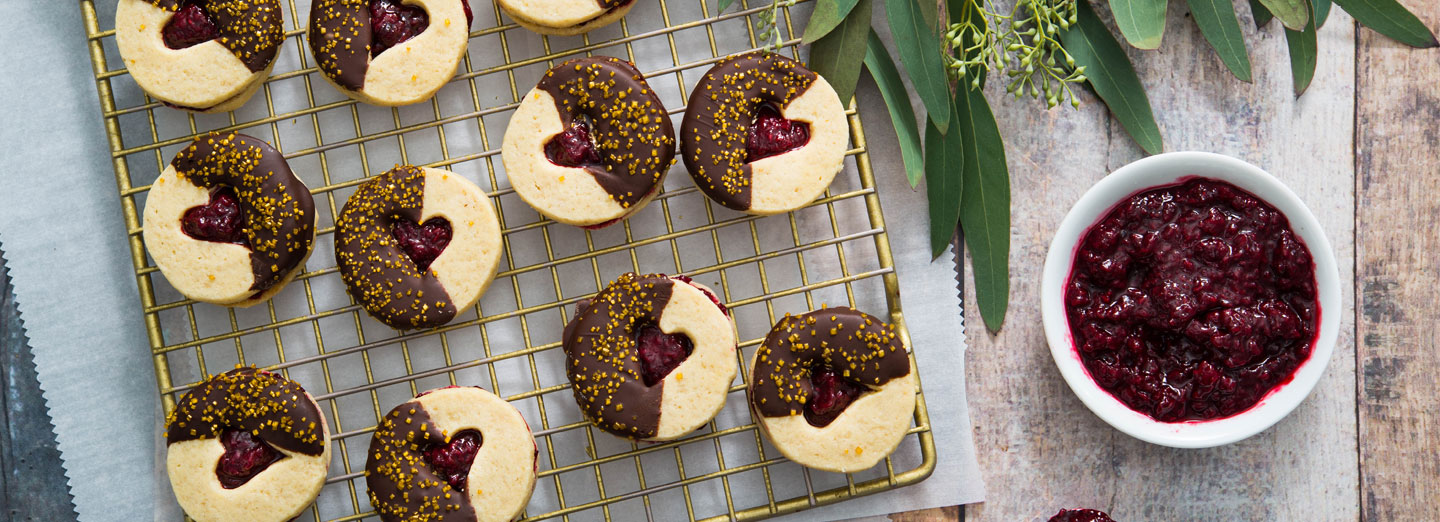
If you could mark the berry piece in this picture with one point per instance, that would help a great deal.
(832, 394)
(452, 461)
(660, 352)
(771, 134)
(1081, 515)
(190, 25)
(469, 16)
(573, 148)
(245, 456)
(392, 23)
(219, 221)
(423, 243)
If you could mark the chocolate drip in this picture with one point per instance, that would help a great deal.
(402, 485)
(279, 212)
(629, 126)
(601, 356)
(859, 347)
(265, 404)
(340, 40)
(376, 271)
(251, 29)
(722, 107)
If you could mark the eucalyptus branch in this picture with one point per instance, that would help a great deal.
(768, 33)
(1024, 44)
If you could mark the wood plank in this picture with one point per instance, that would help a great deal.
(1398, 168)
(1040, 449)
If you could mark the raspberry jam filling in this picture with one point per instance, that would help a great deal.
(1192, 301)
(771, 134)
(1081, 515)
(831, 395)
(393, 22)
(574, 147)
(219, 221)
(423, 243)
(660, 353)
(245, 456)
(190, 26)
(452, 461)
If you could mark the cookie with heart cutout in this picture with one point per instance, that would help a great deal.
(833, 389)
(246, 445)
(389, 52)
(565, 17)
(227, 222)
(762, 134)
(417, 245)
(651, 357)
(199, 55)
(456, 454)
(590, 145)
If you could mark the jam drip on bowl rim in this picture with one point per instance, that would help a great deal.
(1192, 301)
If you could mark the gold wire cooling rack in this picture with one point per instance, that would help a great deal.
(836, 250)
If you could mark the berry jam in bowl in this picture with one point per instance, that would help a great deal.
(1190, 299)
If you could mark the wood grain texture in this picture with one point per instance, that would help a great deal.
(1398, 174)
(1040, 448)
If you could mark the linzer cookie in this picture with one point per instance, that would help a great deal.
(590, 145)
(246, 445)
(565, 17)
(417, 245)
(454, 454)
(651, 357)
(833, 389)
(762, 134)
(228, 222)
(389, 52)
(205, 56)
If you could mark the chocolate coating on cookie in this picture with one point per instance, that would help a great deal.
(629, 126)
(376, 271)
(340, 36)
(251, 29)
(278, 211)
(601, 356)
(722, 107)
(860, 347)
(402, 484)
(269, 406)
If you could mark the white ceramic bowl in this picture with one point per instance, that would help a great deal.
(1167, 169)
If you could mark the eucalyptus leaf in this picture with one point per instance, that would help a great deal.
(1261, 14)
(1293, 13)
(1322, 12)
(826, 17)
(985, 204)
(919, 48)
(897, 101)
(944, 158)
(1303, 49)
(839, 54)
(1221, 29)
(1391, 19)
(724, 4)
(1110, 74)
(1142, 22)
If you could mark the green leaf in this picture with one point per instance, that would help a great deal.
(920, 49)
(1302, 56)
(1261, 14)
(1221, 28)
(838, 55)
(944, 158)
(1293, 13)
(897, 100)
(1141, 21)
(985, 204)
(826, 17)
(724, 4)
(1391, 19)
(1322, 12)
(1110, 74)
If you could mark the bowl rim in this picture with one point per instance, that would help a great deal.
(1167, 169)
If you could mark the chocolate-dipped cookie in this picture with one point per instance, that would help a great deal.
(458, 454)
(590, 145)
(565, 17)
(227, 222)
(762, 134)
(246, 445)
(204, 56)
(389, 52)
(417, 245)
(833, 389)
(651, 357)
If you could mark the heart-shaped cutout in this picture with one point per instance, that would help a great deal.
(573, 148)
(245, 456)
(191, 25)
(392, 22)
(660, 352)
(452, 460)
(220, 220)
(771, 134)
(832, 394)
(422, 243)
